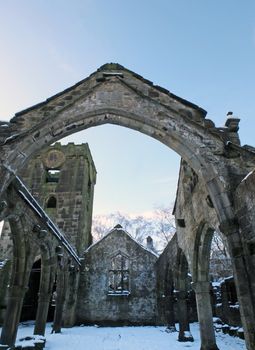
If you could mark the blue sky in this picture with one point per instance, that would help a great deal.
(201, 50)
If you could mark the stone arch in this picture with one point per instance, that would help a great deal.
(194, 237)
(202, 249)
(30, 244)
(118, 96)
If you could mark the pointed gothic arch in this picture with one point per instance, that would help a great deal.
(118, 96)
(115, 95)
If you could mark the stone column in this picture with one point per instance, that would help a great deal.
(45, 292)
(42, 313)
(183, 317)
(5, 275)
(60, 299)
(243, 267)
(169, 312)
(11, 322)
(204, 311)
(19, 280)
(71, 299)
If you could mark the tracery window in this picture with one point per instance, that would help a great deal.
(119, 275)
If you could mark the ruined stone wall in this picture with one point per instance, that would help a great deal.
(193, 206)
(137, 304)
(227, 307)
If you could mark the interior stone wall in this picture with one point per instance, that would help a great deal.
(96, 304)
(193, 206)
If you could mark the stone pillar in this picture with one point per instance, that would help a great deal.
(42, 313)
(169, 312)
(45, 292)
(183, 317)
(21, 267)
(5, 275)
(244, 276)
(205, 318)
(11, 322)
(71, 299)
(60, 299)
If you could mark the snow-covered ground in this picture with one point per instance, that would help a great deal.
(125, 338)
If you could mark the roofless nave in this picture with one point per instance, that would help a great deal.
(216, 190)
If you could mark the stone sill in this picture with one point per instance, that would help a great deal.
(118, 294)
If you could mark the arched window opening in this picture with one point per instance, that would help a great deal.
(119, 283)
(220, 261)
(52, 202)
(223, 292)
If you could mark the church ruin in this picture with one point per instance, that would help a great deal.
(215, 192)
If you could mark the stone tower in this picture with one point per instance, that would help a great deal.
(62, 179)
